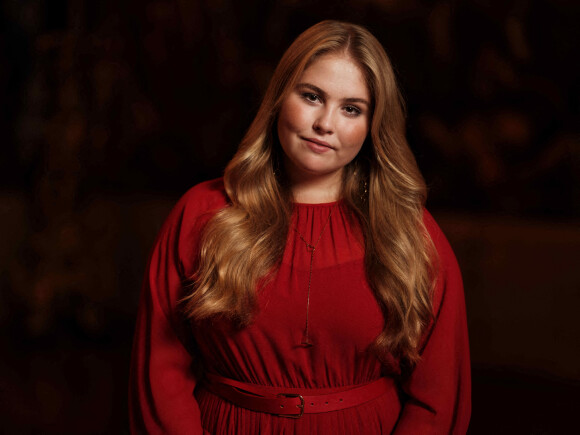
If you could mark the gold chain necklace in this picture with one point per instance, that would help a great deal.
(311, 249)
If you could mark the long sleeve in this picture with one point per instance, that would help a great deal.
(161, 386)
(439, 388)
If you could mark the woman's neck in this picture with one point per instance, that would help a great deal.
(316, 189)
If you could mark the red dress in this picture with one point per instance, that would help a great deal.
(344, 319)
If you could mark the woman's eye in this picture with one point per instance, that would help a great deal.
(313, 98)
(352, 110)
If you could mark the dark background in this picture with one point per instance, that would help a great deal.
(111, 110)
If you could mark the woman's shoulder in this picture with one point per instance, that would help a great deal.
(183, 227)
(204, 197)
(437, 236)
(449, 280)
(196, 207)
(447, 261)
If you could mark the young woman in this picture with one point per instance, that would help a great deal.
(308, 291)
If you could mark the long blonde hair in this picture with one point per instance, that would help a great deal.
(244, 242)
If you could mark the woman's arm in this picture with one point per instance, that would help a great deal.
(439, 388)
(161, 385)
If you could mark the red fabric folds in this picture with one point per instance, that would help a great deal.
(344, 319)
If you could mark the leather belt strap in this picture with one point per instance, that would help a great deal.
(294, 402)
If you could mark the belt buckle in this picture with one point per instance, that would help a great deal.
(301, 406)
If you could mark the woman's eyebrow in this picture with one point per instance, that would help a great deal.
(324, 94)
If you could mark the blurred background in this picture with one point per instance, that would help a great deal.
(110, 110)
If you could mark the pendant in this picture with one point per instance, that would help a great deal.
(306, 342)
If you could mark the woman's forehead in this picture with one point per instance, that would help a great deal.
(337, 74)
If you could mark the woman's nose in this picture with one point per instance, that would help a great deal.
(323, 122)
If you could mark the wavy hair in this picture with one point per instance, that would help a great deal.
(382, 186)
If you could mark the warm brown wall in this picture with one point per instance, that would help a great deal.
(522, 290)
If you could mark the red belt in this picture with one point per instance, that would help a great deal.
(294, 402)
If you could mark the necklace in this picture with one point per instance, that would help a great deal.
(311, 248)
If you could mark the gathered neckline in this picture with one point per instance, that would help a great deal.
(317, 204)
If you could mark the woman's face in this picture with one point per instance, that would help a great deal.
(325, 119)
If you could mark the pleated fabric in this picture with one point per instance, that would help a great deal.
(343, 321)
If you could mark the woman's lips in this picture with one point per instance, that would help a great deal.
(318, 146)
